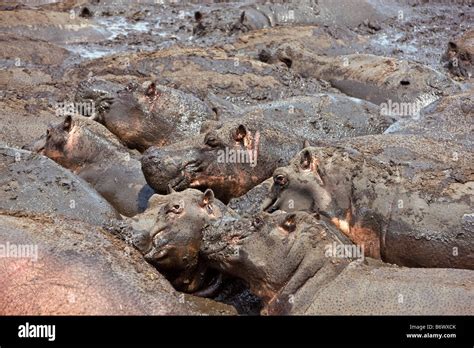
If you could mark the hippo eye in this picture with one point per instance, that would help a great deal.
(211, 141)
(48, 134)
(280, 179)
(257, 222)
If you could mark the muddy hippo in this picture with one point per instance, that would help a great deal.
(89, 150)
(145, 115)
(405, 198)
(168, 234)
(459, 55)
(307, 12)
(31, 183)
(240, 154)
(298, 264)
(450, 118)
(55, 266)
(369, 77)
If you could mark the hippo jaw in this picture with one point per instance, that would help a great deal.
(244, 248)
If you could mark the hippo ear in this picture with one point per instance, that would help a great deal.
(170, 189)
(240, 133)
(306, 144)
(306, 159)
(289, 224)
(207, 198)
(67, 123)
(151, 90)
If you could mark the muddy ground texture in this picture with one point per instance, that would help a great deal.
(203, 48)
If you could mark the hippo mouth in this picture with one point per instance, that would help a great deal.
(157, 249)
(187, 175)
(222, 246)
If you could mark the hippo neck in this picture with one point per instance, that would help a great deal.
(321, 265)
(101, 150)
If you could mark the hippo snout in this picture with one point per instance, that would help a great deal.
(37, 145)
(142, 241)
(167, 167)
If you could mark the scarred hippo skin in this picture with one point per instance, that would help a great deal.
(240, 154)
(142, 116)
(295, 264)
(89, 150)
(82, 270)
(168, 234)
(369, 77)
(459, 56)
(33, 183)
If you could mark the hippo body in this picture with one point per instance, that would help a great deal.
(369, 77)
(89, 150)
(78, 269)
(239, 155)
(293, 263)
(31, 183)
(405, 195)
(142, 116)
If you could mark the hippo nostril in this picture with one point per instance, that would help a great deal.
(272, 209)
(280, 179)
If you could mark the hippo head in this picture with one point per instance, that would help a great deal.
(269, 251)
(168, 234)
(76, 141)
(224, 159)
(99, 93)
(313, 182)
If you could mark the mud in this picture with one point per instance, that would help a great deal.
(78, 267)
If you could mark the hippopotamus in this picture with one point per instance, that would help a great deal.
(168, 234)
(450, 118)
(298, 264)
(32, 183)
(145, 115)
(89, 150)
(309, 12)
(459, 55)
(405, 198)
(51, 265)
(202, 71)
(370, 77)
(234, 157)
